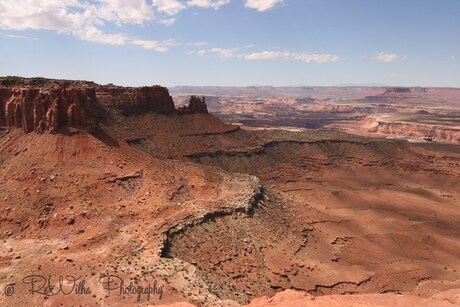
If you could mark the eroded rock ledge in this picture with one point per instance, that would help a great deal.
(136, 100)
(38, 104)
(47, 108)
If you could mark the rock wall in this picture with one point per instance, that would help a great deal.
(47, 109)
(136, 100)
(39, 104)
(425, 132)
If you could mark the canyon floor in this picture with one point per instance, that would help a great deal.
(211, 214)
(414, 114)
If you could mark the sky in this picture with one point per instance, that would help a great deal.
(233, 42)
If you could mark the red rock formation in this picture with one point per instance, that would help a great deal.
(397, 90)
(46, 109)
(393, 94)
(303, 299)
(40, 105)
(136, 100)
(437, 133)
(195, 105)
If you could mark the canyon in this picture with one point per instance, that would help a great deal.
(415, 114)
(219, 208)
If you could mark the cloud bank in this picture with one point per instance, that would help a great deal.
(84, 19)
(89, 20)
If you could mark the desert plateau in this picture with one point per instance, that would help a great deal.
(115, 190)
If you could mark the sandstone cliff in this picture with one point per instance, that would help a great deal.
(136, 100)
(40, 105)
(425, 132)
(47, 108)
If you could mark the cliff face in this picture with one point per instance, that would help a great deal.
(47, 109)
(47, 105)
(136, 100)
(442, 134)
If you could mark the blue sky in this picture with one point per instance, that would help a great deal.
(233, 42)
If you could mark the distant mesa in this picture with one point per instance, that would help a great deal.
(397, 90)
(39, 104)
(423, 112)
(392, 93)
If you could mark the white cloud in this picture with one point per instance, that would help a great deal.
(160, 46)
(168, 7)
(386, 57)
(86, 20)
(29, 14)
(89, 19)
(126, 11)
(215, 4)
(267, 55)
(221, 52)
(294, 56)
(197, 44)
(167, 21)
(453, 57)
(70, 15)
(93, 34)
(314, 57)
(15, 36)
(262, 5)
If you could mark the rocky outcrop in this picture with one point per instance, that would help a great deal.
(417, 132)
(303, 299)
(195, 105)
(38, 104)
(47, 109)
(136, 100)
